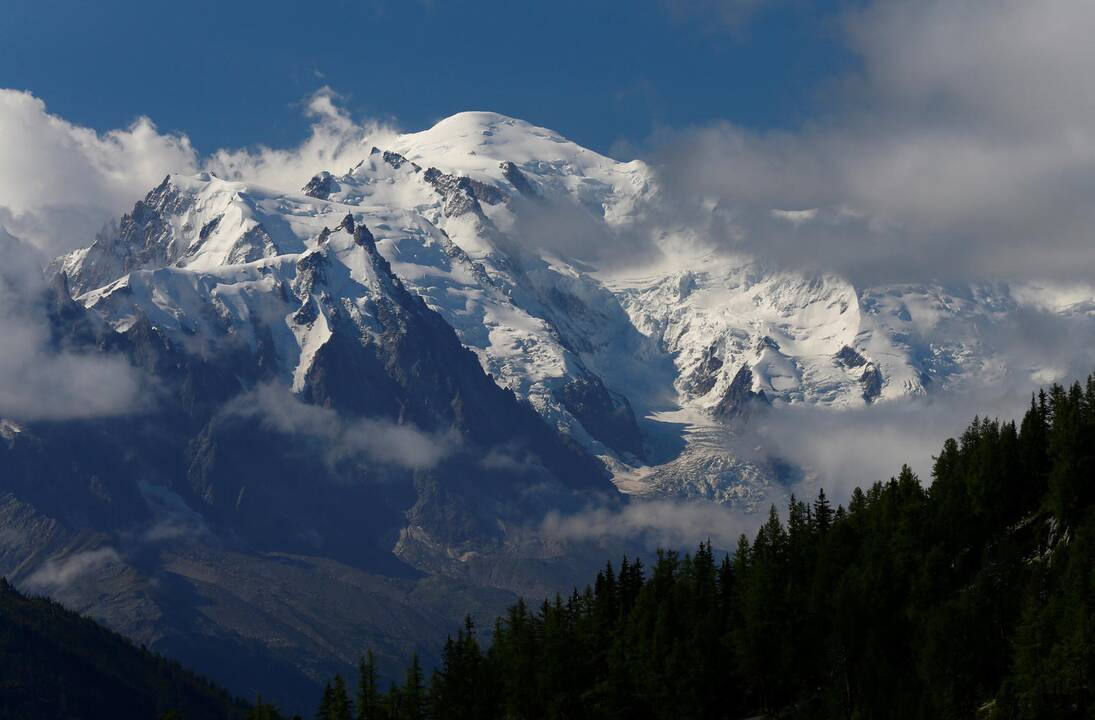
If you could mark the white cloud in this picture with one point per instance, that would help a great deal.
(375, 440)
(336, 143)
(59, 182)
(40, 379)
(963, 147)
(654, 524)
(58, 573)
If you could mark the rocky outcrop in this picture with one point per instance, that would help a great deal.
(462, 194)
(740, 400)
(870, 379)
(706, 373)
(143, 238)
(605, 415)
(517, 179)
(847, 357)
(397, 161)
(321, 186)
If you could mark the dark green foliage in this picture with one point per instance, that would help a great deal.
(336, 702)
(57, 664)
(263, 711)
(971, 598)
(369, 702)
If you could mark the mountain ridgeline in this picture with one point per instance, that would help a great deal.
(973, 596)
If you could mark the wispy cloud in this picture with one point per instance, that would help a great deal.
(172, 519)
(654, 524)
(335, 143)
(58, 573)
(379, 441)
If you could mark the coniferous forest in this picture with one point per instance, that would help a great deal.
(969, 596)
(56, 664)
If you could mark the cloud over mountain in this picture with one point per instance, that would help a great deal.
(961, 147)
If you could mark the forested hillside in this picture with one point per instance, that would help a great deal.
(969, 596)
(57, 664)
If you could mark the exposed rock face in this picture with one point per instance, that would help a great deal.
(740, 400)
(849, 358)
(397, 161)
(513, 174)
(607, 416)
(871, 380)
(462, 194)
(321, 186)
(143, 238)
(706, 374)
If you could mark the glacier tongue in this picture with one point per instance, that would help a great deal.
(650, 367)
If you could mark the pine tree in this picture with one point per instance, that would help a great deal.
(339, 708)
(412, 697)
(263, 711)
(823, 513)
(368, 697)
(326, 705)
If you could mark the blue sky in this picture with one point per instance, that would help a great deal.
(606, 74)
(930, 139)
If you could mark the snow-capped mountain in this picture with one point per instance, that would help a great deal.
(648, 365)
(365, 395)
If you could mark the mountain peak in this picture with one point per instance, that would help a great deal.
(476, 142)
(477, 119)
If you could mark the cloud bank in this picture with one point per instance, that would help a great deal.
(962, 147)
(59, 183)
